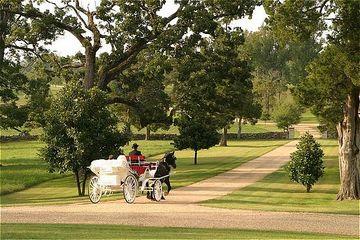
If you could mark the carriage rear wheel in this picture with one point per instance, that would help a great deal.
(94, 189)
(130, 188)
(157, 190)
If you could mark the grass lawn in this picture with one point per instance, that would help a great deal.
(85, 231)
(276, 193)
(21, 166)
(211, 162)
(257, 128)
(308, 117)
(151, 148)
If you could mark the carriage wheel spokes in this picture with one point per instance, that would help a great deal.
(157, 190)
(94, 190)
(130, 188)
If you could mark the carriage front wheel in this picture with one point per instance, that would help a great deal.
(157, 190)
(130, 188)
(94, 189)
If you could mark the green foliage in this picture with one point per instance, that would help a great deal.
(336, 68)
(329, 73)
(286, 113)
(306, 165)
(79, 129)
(143, 84)
(276, 66)
(212, 80)
(195, 133)
(34, 88)
(128, 27)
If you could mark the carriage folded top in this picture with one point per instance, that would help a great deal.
(109, 166)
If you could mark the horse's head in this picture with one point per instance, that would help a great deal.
(170, 159)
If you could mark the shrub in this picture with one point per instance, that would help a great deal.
(306, 165)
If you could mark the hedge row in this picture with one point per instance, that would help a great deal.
(157, 136)
(18, 138)
(230, 136)
(265, 135)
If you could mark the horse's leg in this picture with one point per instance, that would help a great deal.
(148, 194)
(167, 182)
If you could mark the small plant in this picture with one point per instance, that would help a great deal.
(306, 165)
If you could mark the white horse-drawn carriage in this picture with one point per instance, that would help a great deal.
(132, 174)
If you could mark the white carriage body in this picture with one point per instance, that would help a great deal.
(114, 173)
(110, 172)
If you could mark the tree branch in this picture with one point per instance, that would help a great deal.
(35, 14)
(26, 49)
(108, 74)
(117, 99)
(79, 16)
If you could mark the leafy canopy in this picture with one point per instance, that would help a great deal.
(195, 133)
(79, 129)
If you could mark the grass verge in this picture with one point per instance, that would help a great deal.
(91, 231)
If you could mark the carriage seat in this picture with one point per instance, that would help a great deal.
(138, 163)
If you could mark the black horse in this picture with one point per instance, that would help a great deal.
(163, 169)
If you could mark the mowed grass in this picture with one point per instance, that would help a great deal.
(210, 163)
(91, 231)
(276, 193)
(218, 159)
(150, 148)
(22, 167)
(308, 117)
(257, 128)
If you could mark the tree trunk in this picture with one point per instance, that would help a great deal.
(77, 178)
(239, 128)
(90, 55)
(4, 18)
(2, 48)
(195, 156)
(349, 145)
(84, 183)
(128, 130)
(223, 141)
(147, 134)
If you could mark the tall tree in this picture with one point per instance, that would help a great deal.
(213, 79)
(128, 27)
(78, 129)
(333, 86)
